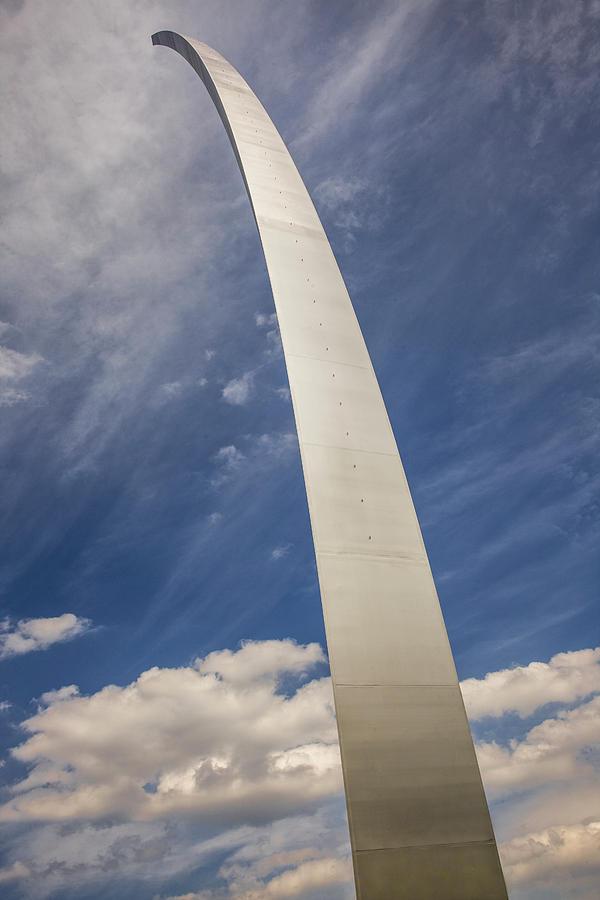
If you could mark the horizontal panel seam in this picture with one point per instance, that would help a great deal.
(281, 225)
(489, 842)
(452, 684)
(352, 449)
(336, 362)
(400, 556)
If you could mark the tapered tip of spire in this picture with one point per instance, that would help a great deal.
(165, 38)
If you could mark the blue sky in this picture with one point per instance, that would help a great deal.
(162, 634)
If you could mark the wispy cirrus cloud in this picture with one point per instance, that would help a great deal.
(281, 551)
(15, 365)
(366, 59)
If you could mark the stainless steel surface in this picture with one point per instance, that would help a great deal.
(440, 871)
(419, 822)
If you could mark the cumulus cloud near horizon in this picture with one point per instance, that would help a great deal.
(292, 875)
(14, 872)
(244, 751)
(546, 778)
(27, 635)
(552, 751)
(567, 677)
(538, 855)
(246, 740)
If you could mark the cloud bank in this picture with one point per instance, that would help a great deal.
(316, 873)
(551, 751)
(218, 738)
(246, 741)
(544, 782)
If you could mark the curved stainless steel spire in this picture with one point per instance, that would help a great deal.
(419, 823)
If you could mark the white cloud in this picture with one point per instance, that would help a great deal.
(246, 753)
(229, 455)
(281, 551)
(542, 361)
(312, 875)
(274, 344)
(12, 873)
(15, 365)
(63, 693)
(228, 460)
(274, 862)
(214, 518)
(336, 191)
(172, 389)
(264, 321)
(264, 659)
(357, 66)
(551, 751)
(547, 776)
(242, 750)
(237, 391)
(540, 856)
(342, 197)
(270, 323)
(264, 450)
(275, 445)
(252, 873)
(81, 147)
(194, 895)
(10, 396)
(39, 634)
(62, 857)
(565, 678)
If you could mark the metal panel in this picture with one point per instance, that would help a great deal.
(443, 872)
(360, 501)
(419, 822)
(392, 603)
(409, 757)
